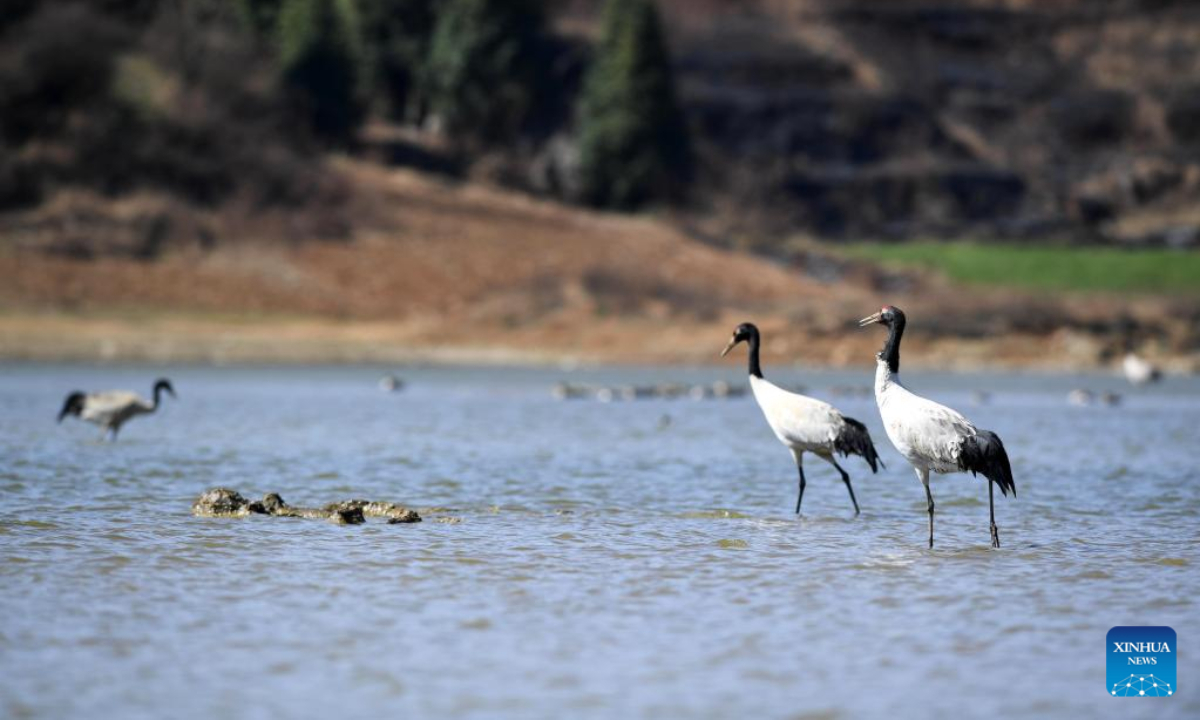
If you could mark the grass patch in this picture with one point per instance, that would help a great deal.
(1045, 268)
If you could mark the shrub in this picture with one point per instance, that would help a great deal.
(261, 16)
(180, 104)
(59, 60)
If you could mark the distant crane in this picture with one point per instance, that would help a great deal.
(112, 409)
(931, 436)
(805, 424)
(1139, 371)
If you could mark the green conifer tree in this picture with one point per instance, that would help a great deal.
(482, 72)
(396, 34)
(633, 140)
(320, 54)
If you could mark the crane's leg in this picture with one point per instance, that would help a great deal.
(845, 479)
(800, 466)
(992, 512)
(923, 474)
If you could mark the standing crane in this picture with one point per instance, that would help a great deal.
(932, 437)
(112, 409)
(805, 424)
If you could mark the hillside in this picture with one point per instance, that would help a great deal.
(163, 196)
(951, 118)
(463, 271)
(428, 264)
(1066, 121)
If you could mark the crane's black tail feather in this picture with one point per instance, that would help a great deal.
(855, 440)
(984, 454)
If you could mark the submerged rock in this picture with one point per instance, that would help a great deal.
(347, 516)
(220, 502)
(394, 513)
(271, 504)
(223, 502)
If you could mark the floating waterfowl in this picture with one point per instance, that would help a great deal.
(390, 383)
(1080, 397)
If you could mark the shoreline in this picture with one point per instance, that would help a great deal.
(32, 337)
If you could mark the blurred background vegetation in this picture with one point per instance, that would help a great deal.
(1068, 120)
(993, 142)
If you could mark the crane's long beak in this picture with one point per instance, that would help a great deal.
(871, 320)
(732, 342)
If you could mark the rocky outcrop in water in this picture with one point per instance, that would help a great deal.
(220, 502)
(223, 502)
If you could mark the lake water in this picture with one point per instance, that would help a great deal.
(635, 559)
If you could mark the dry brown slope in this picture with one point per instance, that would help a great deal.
(430, 264)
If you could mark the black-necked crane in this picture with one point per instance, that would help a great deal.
(805, 424)
(932, 437)
(112, 409)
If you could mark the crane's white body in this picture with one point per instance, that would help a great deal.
(929, 435)
(110, 410)
(804, 424)
(801, 423)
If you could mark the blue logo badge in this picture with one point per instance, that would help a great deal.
(1141, 661)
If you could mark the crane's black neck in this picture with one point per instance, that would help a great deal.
(158, 390)
(891, 349)
(753, 342)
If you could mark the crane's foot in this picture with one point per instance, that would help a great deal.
(995, 536)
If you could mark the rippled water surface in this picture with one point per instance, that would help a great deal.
(634, 559)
